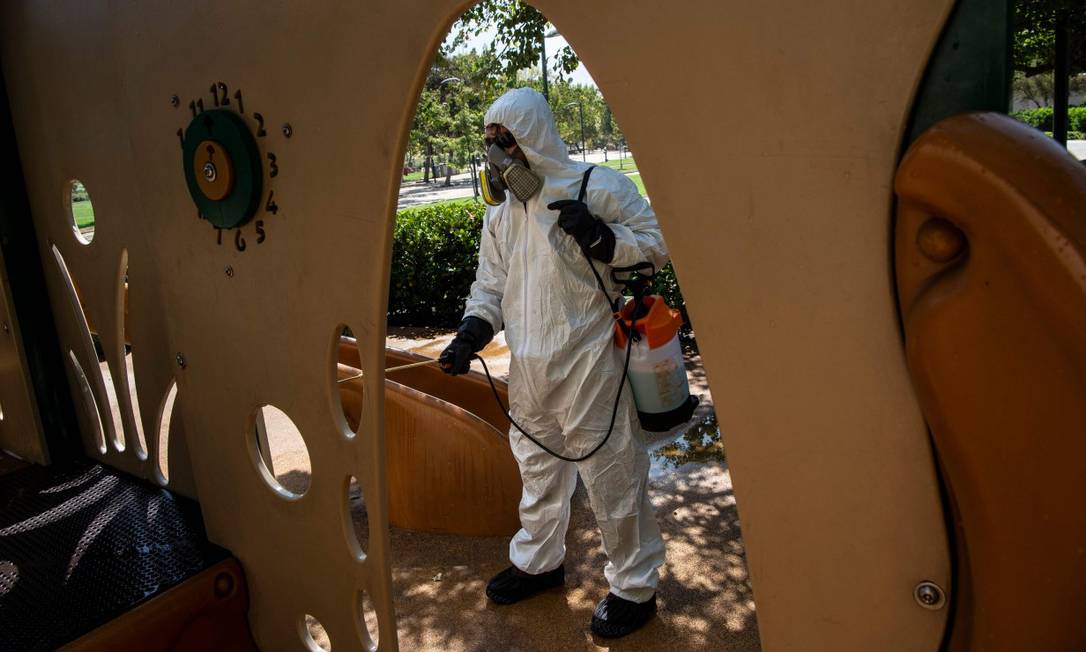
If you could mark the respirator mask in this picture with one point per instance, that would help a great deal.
(505, 173)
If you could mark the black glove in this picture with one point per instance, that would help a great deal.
(592, 234)
(471, 337)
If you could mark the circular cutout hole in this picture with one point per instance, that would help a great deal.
(314, 636)
(81, 211)
(279, 452)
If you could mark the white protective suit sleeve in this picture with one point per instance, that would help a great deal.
(485, 299)
(631, 218)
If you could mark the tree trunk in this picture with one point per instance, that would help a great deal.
(429, 162)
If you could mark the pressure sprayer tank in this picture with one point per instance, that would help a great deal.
(657, 374)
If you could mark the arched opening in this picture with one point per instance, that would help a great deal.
(435, 254)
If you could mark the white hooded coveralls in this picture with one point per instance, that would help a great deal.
(564, 367)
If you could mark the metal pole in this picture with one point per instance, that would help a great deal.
(584, 146)
(1061, 74)
(543, 63)
(474, 177)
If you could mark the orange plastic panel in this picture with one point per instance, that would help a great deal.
(991, 270)
(206, 612)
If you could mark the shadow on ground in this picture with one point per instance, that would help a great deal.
(705, 599)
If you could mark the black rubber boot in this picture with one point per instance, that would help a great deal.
(615, 616)
(513, 585)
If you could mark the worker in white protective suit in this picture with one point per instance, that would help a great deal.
(534, 280)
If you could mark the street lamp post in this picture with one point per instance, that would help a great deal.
(543, 60)
(580, 110)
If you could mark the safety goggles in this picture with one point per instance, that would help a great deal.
(505, 140)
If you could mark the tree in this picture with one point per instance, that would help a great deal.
(450, 110)
(1049, 37)
(1040, 89)
(1035, 35)
(518, 43)
(460, 87)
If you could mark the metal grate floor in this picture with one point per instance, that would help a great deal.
(83, 544)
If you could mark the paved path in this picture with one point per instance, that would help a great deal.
(1077, 149)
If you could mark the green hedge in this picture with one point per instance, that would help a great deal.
(434, 254)
(1042, 118)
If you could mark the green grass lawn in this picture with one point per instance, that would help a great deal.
(628, 164)
(414, 176)
(636, 178)
(83, 212)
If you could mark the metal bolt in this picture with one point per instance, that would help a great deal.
(929, 595)
(181, 360)
(939, 240)
(7, 329)
(224, 585)
(229, 271)
(175, 101)
(288, 131)
(210, 173)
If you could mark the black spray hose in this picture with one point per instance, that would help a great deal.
(631, 334)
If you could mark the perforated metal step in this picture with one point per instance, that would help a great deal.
(83, 544)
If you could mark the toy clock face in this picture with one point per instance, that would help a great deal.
(229, 170)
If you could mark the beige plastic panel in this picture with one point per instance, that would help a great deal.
(767, 134)
(20, 425)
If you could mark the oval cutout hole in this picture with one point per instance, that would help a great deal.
(89, 404)
(280, 453)
(82, 212)
(357, 525)
(101, 385)
(114, 405)
(369, 621)
(347, 379)
(314, 636)
(165, 418)
(129, 377)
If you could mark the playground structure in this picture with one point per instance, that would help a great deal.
(797, 267)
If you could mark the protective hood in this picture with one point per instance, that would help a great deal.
(525, 113)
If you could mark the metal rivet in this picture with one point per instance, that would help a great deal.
(210, 173)
(175, 101)
(229, 271)
(7, 329)
(929, 595)
(939, 240)
(288, 131)
(181, 360)
(224, 585)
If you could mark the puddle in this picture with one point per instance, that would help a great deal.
(698, 444)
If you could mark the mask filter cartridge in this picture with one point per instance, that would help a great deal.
(503, 172)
